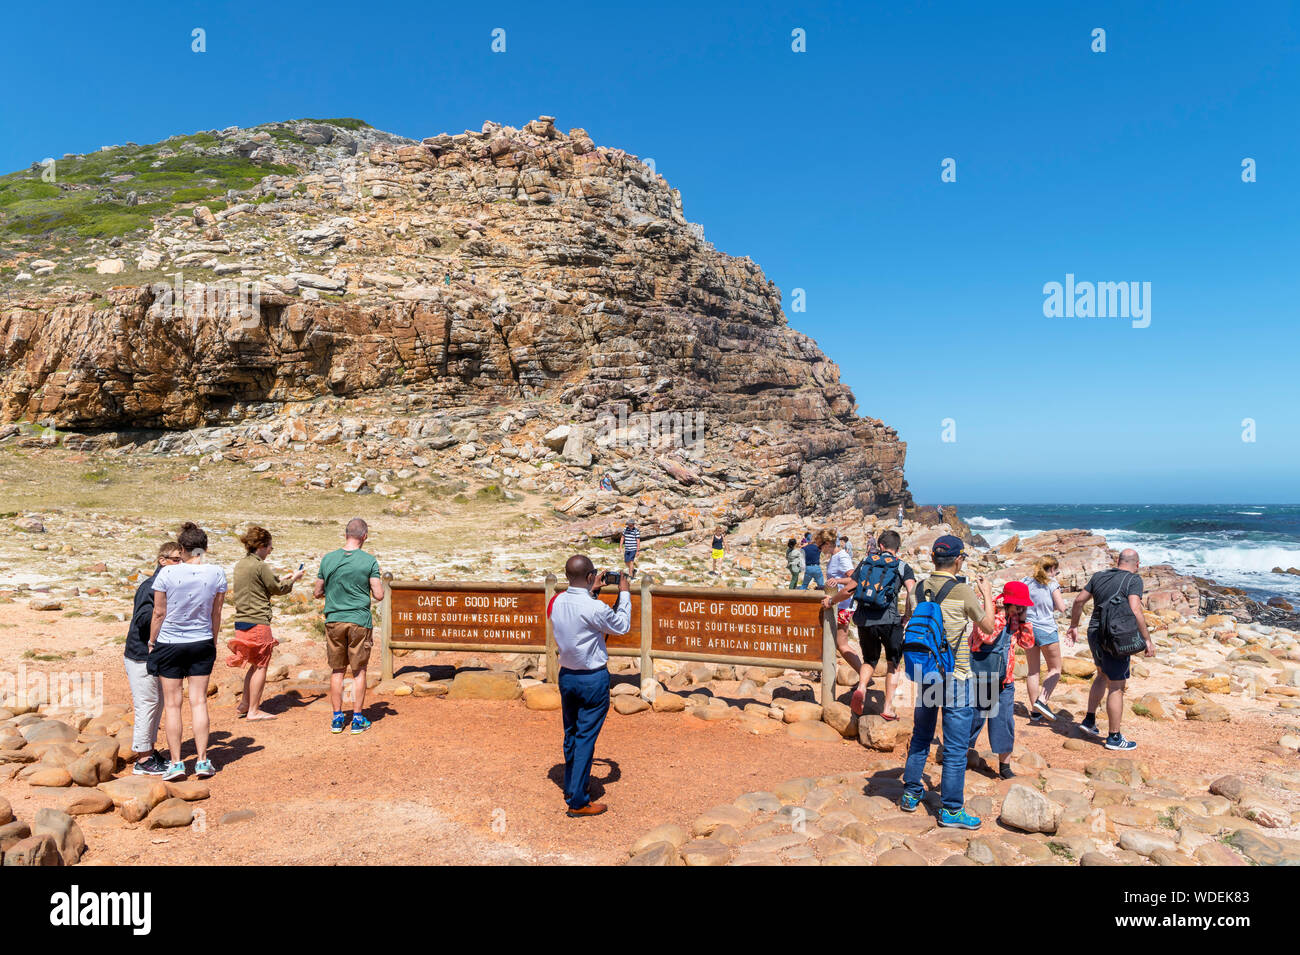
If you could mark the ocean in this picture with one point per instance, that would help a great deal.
(1233, 544)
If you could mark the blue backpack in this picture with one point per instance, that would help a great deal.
(879, 578)
(927, 655)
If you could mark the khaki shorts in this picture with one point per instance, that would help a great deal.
(347, 644)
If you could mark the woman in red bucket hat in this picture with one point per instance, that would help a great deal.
(1010, 628)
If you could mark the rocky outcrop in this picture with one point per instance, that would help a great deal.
(485, 267)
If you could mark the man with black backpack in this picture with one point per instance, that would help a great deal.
(1116, 631)
(881, 587)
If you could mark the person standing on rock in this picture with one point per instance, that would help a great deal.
(187, 602)
(1112, 671)
(959, 603)
(348, 579)
(631, 546)
(1046, 594)
(794, 562)
(146, 689)
(812, 558)
(900, 515)
(1010, 630)
(718, 548)
(880, 622)
(251, 646)
(580, 622)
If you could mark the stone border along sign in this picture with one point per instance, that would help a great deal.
(770, 628)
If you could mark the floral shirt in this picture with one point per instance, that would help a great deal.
(1024, 637)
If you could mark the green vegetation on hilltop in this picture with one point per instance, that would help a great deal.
(84, 202)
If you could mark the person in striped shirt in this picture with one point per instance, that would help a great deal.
(631, 547)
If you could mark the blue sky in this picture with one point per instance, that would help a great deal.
(824, 167)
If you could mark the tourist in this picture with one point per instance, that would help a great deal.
(839, 573)
(1010, 629)
(794, 562)
(254, 585)
(846, 545)
(812, 558)
(900, 515)
(580, 622)
(880, 617)
(146, 689)
(631, 546)
(188, 596)
(1046, 594)
(958, 603)
(348, 578)
(718, 548)
(1112, 670)
(873, 544)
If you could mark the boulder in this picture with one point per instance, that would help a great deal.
(543, 696)
(65, 832)
(34, 850)
(174, 813)
(485, 685)
(813, 730)
(1029, 810)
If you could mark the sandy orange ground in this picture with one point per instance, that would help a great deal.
(437, 781)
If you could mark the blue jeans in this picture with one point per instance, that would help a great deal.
(813, 573)
(958, 715)
(584, 703)
(1002, 724)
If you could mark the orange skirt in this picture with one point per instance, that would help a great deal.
(251, 647)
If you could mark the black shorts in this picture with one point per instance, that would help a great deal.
(877, 635)
(174, 661)
(1115, 668)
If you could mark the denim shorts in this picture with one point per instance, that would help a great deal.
(1046, 636)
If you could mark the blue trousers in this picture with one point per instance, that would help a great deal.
(584, 703)
(813, 573)
(1001, 720)
(958, 715)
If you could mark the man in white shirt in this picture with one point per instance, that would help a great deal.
(838, 570)
(580, 623)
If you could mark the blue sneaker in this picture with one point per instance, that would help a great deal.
(908, 803)
(204, 768)
(338, 722)
(359, 724)
(174, 771)
(960, 819)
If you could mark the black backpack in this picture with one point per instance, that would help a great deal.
(1120, 636)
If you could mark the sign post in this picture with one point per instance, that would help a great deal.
(764, 628)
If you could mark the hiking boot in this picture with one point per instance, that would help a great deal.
(1117, 741)
(908, 803)
(591, 809)
(961, 819)
(1005, 771)
(1044, 710)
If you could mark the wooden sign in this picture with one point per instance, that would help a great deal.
(502, 617)
(632, 639)
(758, 624)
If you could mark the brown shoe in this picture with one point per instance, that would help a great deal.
(591, 809)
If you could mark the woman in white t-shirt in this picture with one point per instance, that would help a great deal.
(1046, 594)
(183, 643)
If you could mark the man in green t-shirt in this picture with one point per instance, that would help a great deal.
(348, 578)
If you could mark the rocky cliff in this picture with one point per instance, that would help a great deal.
(481, 269)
